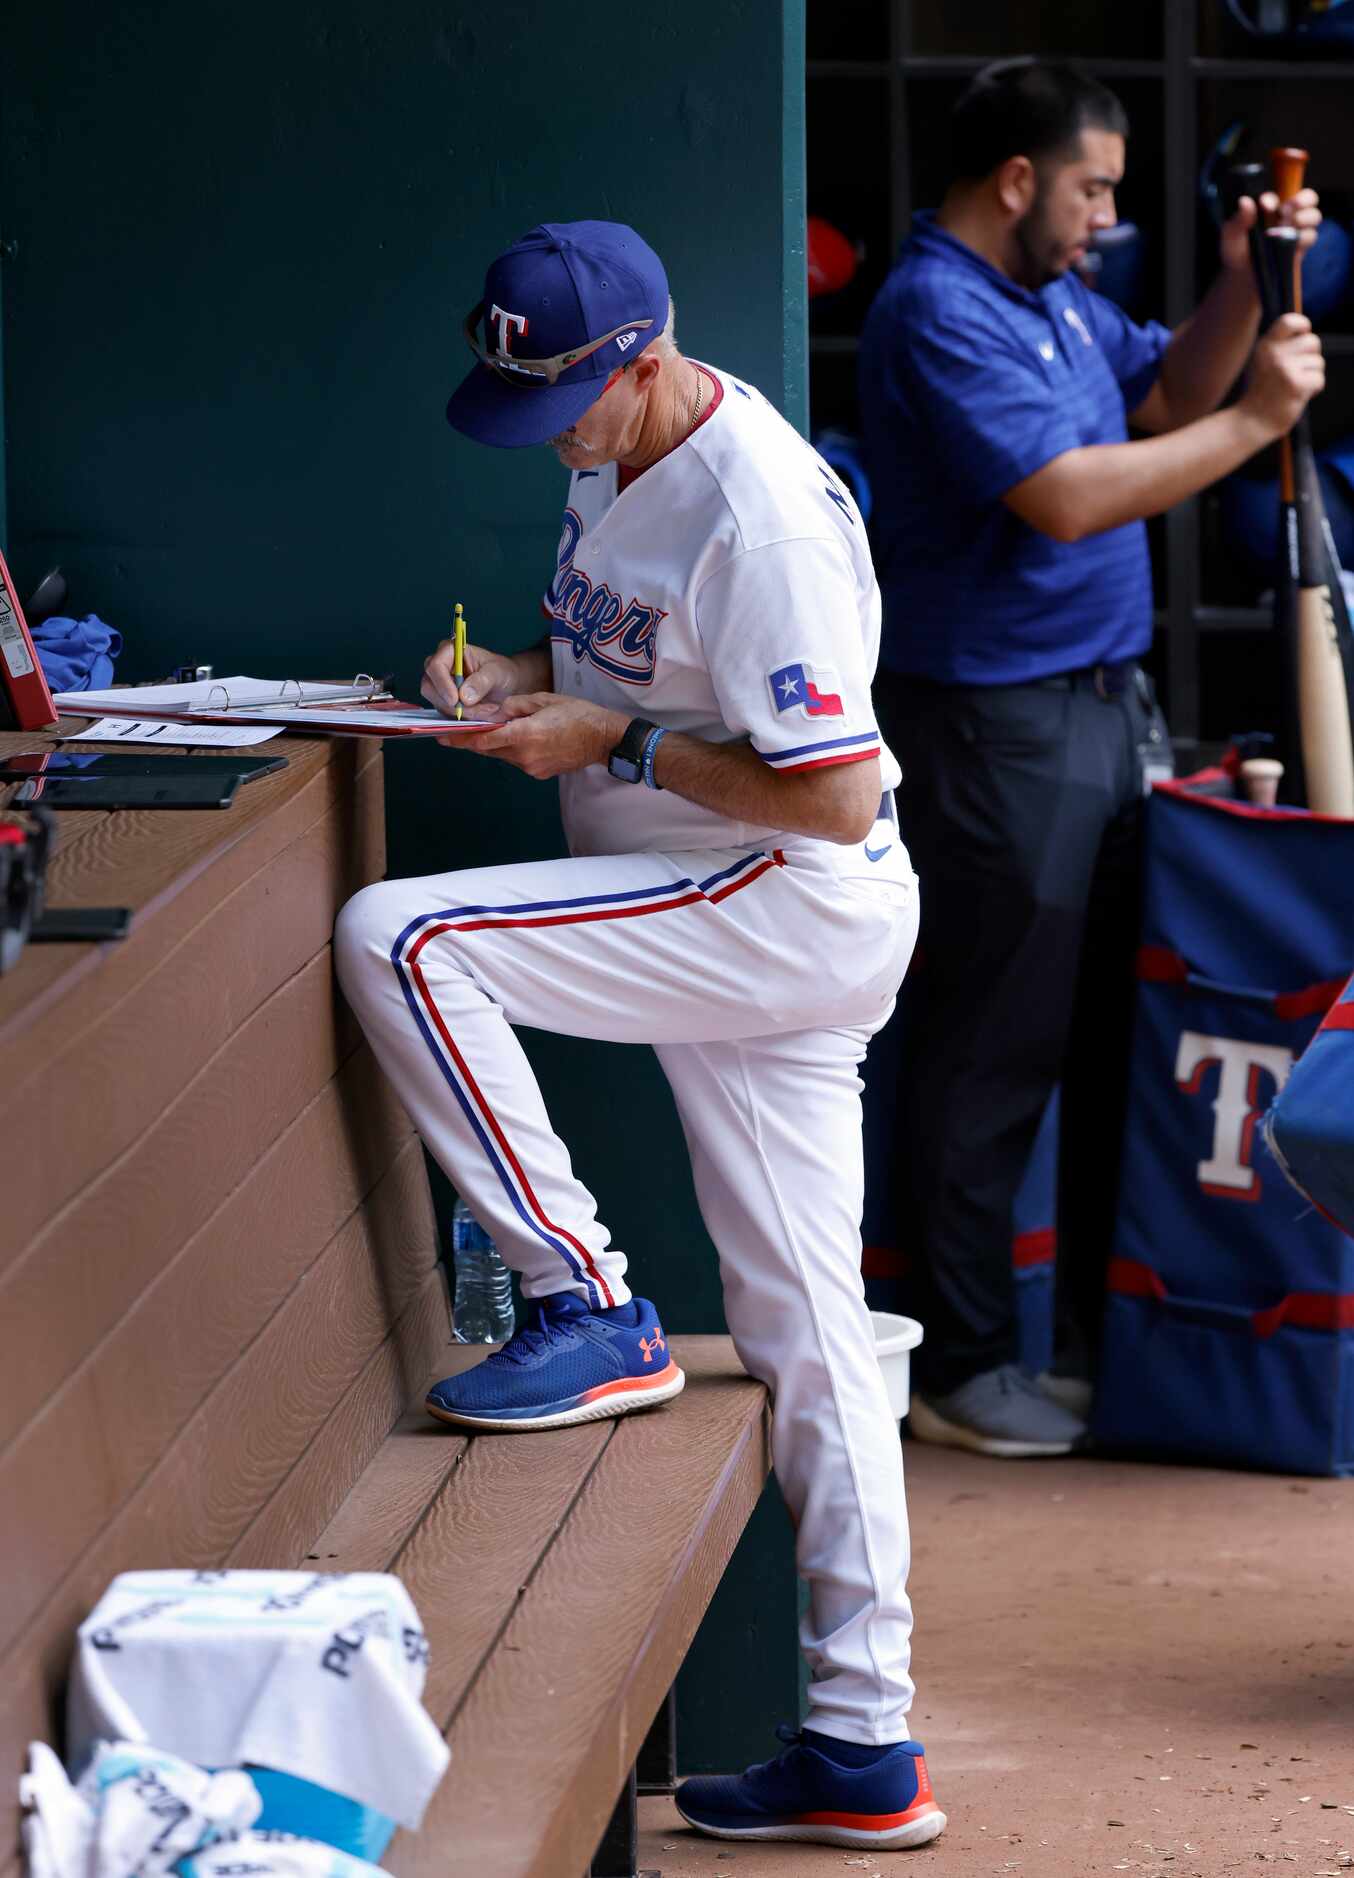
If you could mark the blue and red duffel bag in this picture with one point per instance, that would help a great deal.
(1310, 1128)
(1229, 1329)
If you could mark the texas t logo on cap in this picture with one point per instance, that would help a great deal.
(591, 295)
(507, 324)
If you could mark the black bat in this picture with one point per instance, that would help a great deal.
(1248, 179)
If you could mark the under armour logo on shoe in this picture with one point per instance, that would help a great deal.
(649, 1347)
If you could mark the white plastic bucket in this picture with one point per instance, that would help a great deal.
(894, 1336)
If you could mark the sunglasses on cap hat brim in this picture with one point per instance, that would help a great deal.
(517, 371)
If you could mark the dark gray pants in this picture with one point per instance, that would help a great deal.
(1021, 807)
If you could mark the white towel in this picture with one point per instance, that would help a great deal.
(276, 1855)
(58, 1826)
(135, 1813)
(318, 1675)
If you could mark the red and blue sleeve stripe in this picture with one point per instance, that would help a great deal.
(820, 755)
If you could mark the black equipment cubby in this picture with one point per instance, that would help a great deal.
(881, 77)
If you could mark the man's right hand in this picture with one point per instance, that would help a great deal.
(489, 678)
(1287, 370)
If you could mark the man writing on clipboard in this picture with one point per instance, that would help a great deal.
(737, 896)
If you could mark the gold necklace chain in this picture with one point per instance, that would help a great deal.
(698, 400)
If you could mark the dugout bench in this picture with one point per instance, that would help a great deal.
(560, 1576)
(222, 1304)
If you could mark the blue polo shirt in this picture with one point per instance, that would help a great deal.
(968, 384)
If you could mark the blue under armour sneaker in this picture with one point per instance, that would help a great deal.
(803, 1794)
(569, 1364)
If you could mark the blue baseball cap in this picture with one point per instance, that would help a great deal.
(562, 308)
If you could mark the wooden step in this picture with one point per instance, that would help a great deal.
(560, 1576)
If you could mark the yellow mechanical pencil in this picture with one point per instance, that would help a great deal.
(458, 655)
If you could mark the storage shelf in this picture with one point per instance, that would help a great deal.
(1335, 345)
(962, 65)
(848, 68)
(1177, 96)
(1213, 619)
(951, 65)
(1274, 68)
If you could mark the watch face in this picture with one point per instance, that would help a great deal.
(626, 762)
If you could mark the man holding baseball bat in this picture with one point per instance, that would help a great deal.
(737, 896)
(998, 394)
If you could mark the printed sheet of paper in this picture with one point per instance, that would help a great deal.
(402, 717)
(146, 730)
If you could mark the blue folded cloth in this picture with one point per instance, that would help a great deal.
(76, 654)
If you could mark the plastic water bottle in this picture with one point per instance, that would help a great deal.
(482, 1310)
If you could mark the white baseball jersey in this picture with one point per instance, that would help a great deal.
(727, 592)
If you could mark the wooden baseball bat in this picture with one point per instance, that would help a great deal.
(1288, 167)
(1317, 715)
(1325, 642)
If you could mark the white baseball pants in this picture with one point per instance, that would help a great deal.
(759, 978)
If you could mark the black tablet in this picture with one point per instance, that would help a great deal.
(182, 790)
(67, 779)
(133, 763)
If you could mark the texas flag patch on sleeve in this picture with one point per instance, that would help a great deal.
(811, 689)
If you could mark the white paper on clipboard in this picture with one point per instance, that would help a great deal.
(329, 708)
(161, 730)
(394, 720)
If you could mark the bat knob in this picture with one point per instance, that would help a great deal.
(1260, 776)
(1288, 166)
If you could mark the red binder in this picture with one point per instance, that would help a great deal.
(25, 686)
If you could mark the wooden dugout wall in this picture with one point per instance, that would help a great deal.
(219, 1285)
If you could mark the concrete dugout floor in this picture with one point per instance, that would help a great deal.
(1120, 1669)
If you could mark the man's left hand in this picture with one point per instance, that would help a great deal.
(547, 735)
(1303, 212)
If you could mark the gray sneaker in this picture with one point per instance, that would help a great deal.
(1002, 1412)
(1074, 1393)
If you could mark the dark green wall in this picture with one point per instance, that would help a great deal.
(245, 238)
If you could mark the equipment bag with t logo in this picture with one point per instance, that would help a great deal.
(1229, 1330)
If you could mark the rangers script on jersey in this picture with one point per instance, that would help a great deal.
(727, 592)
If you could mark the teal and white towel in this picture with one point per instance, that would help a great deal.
(316, 1675)
(138, 1813)
(135, 1813)
(275, 1855)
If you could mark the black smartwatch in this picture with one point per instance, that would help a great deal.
(626, 762)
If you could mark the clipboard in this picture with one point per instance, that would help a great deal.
(25, 701)
(356, 707)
